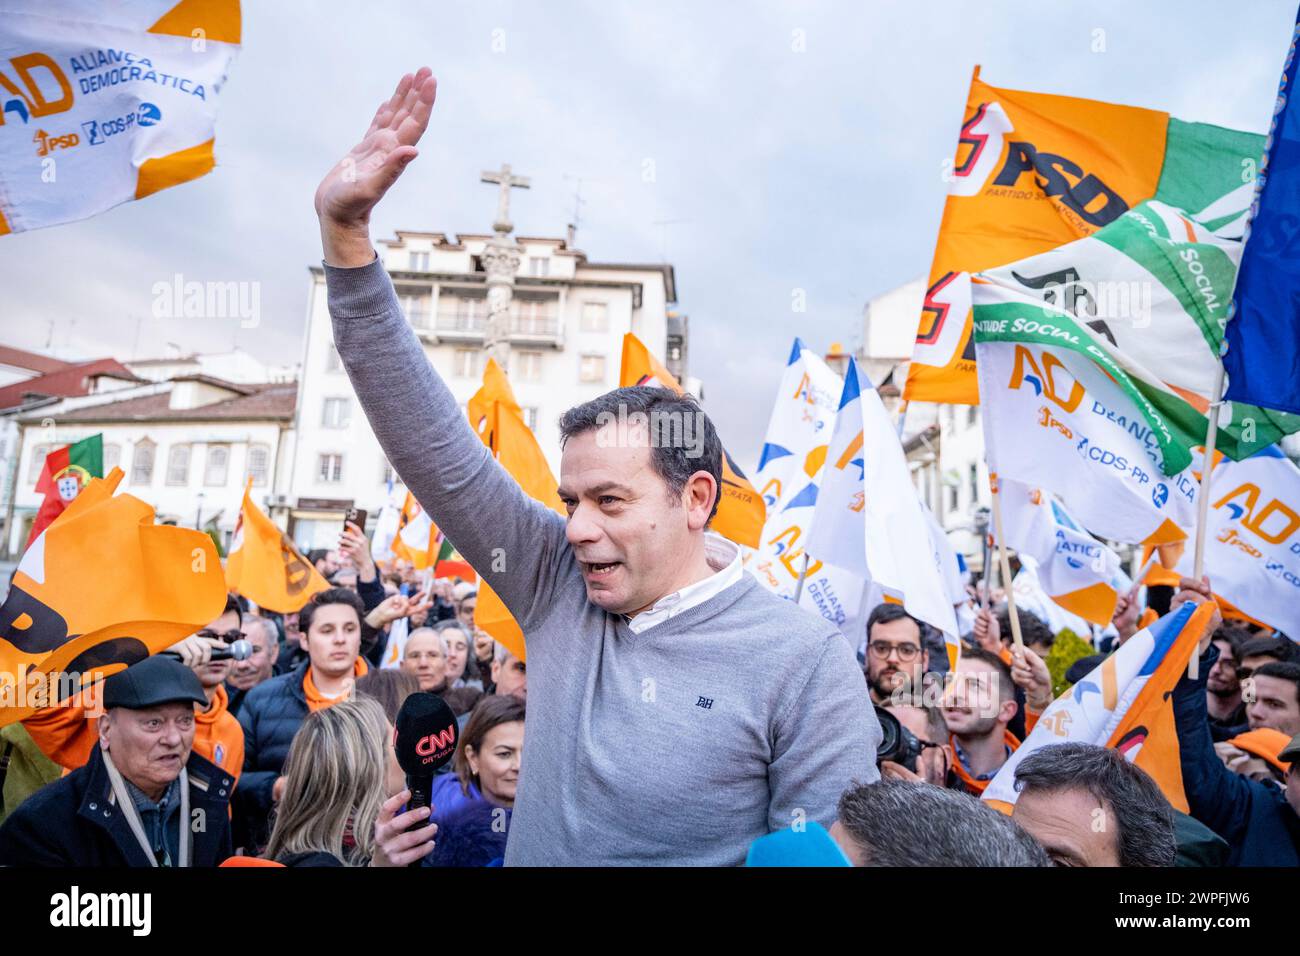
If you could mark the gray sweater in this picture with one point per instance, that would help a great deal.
(681, 745)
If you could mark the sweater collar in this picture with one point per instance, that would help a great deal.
(723, 557)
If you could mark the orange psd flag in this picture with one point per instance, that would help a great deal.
(265, 567)
(1032, 171)
(741, 512)
(101, 588)
(497, 419)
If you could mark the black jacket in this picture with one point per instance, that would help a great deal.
(75, 821)
(1255, 818)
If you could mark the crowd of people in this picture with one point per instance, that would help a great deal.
(681, 714)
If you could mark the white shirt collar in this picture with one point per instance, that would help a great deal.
(723, 556)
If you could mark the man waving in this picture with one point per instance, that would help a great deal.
(676, 710)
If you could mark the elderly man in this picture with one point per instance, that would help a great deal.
(138, 801)
(247, 674)
(425, 657)
(1088, 806)
(656, 665)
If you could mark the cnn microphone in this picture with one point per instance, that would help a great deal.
(239, 651)
(425, 739)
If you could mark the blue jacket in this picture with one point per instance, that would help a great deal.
(1255, 818)
(74, 821)
(271, 714)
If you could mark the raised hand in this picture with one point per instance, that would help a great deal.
(350, 190)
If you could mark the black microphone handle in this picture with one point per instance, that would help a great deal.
(421, 791)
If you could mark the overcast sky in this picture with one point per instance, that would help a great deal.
(794, 145)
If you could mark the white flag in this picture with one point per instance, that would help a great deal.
(101, 103)
(789, 477)
(1252, 543)
(869, 520)
(1074, 569)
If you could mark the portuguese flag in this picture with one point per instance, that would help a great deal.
(67, 470)
(449, 563)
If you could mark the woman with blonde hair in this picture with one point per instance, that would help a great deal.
(340, 769)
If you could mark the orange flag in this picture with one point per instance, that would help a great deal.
(498, 420)
(265, 567)
(1032, 171)
(741, 512)
(101, 588)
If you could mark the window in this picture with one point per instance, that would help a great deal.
(259, 464)
(467, 363)
(112, 456)
(337, 413)
(142, 462)
(592, 369)
(533, 316)
(329, 469)
(37, 464)
(465, 314)
(530, 418)
(217, 467)
(527, 366)
(539, 266)
(974, 486)
(595, 317)
(332, 361)
(419, 262)
(386, 473)
(972, 413)
(178, 465)
(416, 310)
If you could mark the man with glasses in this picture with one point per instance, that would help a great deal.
(1223, 686)
(896, 655)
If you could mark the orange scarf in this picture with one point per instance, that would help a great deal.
(318, 701)
(972, 785)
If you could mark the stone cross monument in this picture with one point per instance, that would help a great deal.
(501, 257)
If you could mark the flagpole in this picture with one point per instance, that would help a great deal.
(1203, 502)
(803, 573)
(1005, 564)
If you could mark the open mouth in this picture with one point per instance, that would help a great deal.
(596, 572)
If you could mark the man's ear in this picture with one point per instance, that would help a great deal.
(1007, 712)
(103, 725)
(701, 491)
(496, 669)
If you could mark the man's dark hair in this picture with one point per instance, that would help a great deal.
(1006, 686)
(1283, 670)
(1235, 637)
(1278, 648)
(330, 596)
(1033, 629)
(233, 604)
(887, 612)
(904, 823)
(1143, 816)
(666, 414)
(317, 554)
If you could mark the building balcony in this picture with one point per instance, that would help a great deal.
(471, 327)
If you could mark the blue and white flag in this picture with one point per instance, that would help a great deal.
(869, 520)
(789, 477)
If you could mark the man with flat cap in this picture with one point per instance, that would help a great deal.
(143, 798)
